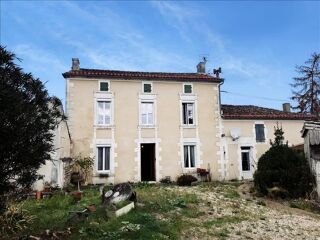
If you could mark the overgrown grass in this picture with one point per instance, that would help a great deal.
(164, 213)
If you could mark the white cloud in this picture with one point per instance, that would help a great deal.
(39, 59)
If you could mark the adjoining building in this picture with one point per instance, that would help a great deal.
(311, 135)
(247, 131)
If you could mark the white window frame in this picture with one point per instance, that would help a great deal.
(103, 158)
(153, 113)
(195, 156)
(187, 84)
(193, 113)
(143, 83)
(152, 98)
(102, 81)
(97, 112)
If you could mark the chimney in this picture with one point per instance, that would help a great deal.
(75, 64)
(201, 67)
(286, 107)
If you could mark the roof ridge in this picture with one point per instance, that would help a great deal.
(134, 71)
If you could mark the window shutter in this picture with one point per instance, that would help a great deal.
(260, 137)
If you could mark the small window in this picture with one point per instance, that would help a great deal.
(260, 136)
(104, 113)
(189, 156)
(147, 87)
(188, 113)
(103, 158)
(245, 158)
(104, 86)
(147, 113)
(187, 88)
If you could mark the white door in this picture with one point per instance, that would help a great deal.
(246, 163)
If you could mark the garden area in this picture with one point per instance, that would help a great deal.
(215, 210)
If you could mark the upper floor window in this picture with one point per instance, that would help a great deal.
(104, 113)
(188, 113)
(260, 134)
(147, 87)
(103, 163)
(147, 116)
(189, 156)
(104, 86)
(187, 88)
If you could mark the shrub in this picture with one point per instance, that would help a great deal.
(14, 219)
(283, 168)
(186, 180)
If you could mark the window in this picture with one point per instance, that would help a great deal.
(103, 158)
(147, 113)
(189, 156)
(187, 88)
(188, 113)
(104, 113)
(245, 158)
(104, 86)
(260, 136)
(147, 87)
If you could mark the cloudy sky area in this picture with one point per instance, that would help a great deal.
(257, 44)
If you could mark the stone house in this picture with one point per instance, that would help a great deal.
(145, 126)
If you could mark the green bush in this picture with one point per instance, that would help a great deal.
(186, 180)
(283, 168)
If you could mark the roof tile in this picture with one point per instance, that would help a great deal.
(255, 112)
(161, 76)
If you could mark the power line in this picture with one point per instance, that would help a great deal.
(257, 97)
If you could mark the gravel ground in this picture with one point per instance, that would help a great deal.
(227, 215)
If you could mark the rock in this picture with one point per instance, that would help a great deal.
(118, 193)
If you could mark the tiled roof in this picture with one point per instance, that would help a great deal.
(254, 112)
(161, 76)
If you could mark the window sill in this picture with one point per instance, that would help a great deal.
(147, 126)
(104, 126)
(188, 126)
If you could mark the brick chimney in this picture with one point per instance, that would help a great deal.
(75, 64)
(286, 107)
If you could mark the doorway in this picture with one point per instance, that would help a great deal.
(148, 160)
(246, 162)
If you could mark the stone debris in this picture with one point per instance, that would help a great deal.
(248, 219)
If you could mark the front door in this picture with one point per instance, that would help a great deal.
(246, 163)
(148, 161)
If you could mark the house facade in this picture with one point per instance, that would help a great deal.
(145, 126)
(141, 126)
(247, 131)
(52, 172)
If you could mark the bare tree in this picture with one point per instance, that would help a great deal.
(307, 87)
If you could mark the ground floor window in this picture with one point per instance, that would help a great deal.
(189, 156)
(103, 159)
(245, 158)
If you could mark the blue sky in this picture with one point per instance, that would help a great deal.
(256, 43)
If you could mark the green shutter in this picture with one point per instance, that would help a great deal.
(187, 88)
(147, 88)
(104, 86)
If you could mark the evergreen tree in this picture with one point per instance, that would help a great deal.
(27, 120)
(278, 137)
(308, 86)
